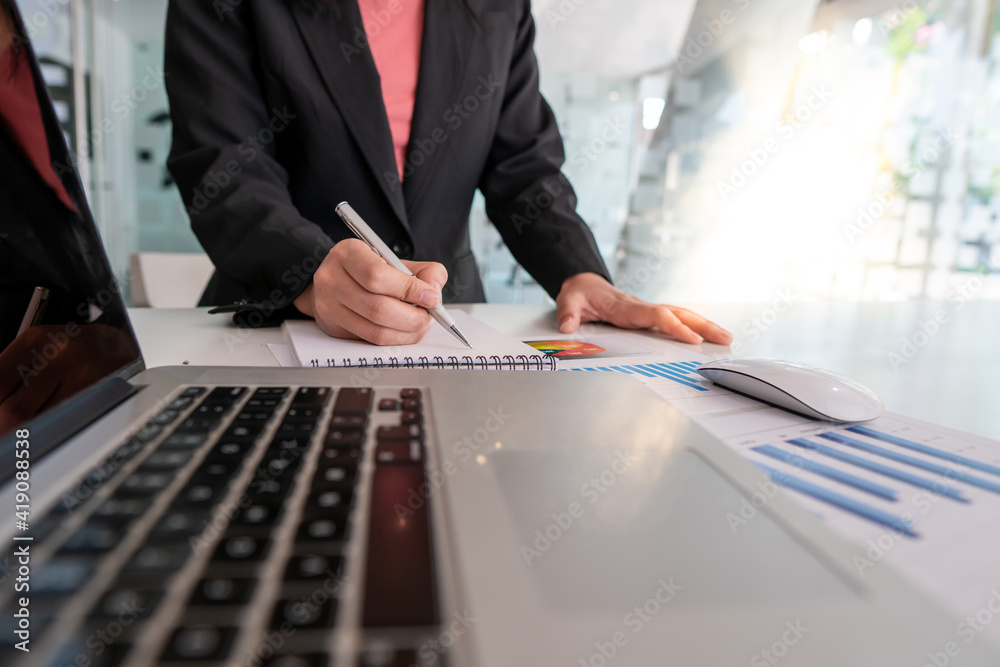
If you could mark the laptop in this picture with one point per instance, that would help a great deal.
(381, 518)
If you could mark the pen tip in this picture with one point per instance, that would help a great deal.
(461, 337)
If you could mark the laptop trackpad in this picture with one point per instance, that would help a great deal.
(600, 530)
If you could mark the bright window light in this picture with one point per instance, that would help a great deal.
(862, 31)
(813, 42)
(652, 110)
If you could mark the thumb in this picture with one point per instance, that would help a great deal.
(568, 312)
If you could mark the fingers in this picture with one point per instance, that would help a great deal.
(355, 294)
(707, 329)
(642, 315)
(377, 277)
(341, 322)
(432, 273)
(569, 312)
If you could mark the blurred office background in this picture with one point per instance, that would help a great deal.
(722, 150)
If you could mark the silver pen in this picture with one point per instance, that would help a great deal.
(368, 235)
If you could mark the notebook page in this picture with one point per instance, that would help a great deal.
(313, 347)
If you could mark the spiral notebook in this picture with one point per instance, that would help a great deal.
(492, 350)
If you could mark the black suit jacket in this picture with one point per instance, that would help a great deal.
(278, 116)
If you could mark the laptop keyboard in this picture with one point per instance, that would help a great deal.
(221, 533)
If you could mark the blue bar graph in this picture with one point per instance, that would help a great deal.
(950, 473)
(862, 510)
(662, 371)
(925, 449)
(681, 372)
(919, 482)
(828, 472)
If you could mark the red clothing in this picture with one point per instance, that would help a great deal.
(21, 118)
(395, 30)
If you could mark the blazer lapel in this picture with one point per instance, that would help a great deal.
(351, 78)
(447, 38)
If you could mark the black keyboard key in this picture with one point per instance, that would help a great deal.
(330, 500)
(298, 660)
(314, 568)
(348, 422)
(279, 467)
(268, 490)
(92, 537)
(118, 511)
(245, 431)
(399, 452)
(322, 527)
(152, 562)
(177, 525)
(412, 404)
(253, 417)
(388, 405)
(336, 477)
(408, 418)
(290, 443)
(241, 548)
(225, 395)
(399, 588)
(198, 425)
(409, 393)
(200, 642)
(61, 576)
(149, 431)
(216, 472)
(351, 438)
(180, 403)
(407, 432)
(340, 455)
(162, 461)
(193, 392)
(273, 392)
(143, 484)
(315, 396)
(221, 591)
(165, 417)
(230, 451)
(183, 441)
(199, 494)
(303, 412)
(353, 401)
(293, 428)
(125, 453)
(259, 514)
(128, 603)
(259, 403)
(304, 614)
(216, 410)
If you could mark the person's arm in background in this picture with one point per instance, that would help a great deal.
(251, 229)
(524, 171)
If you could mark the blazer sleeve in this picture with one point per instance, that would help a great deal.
(528, 198)
(235, 191)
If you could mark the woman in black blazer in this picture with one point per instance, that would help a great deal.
(278, 116)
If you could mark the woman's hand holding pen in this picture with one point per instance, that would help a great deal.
(355, 294)
(587, 297)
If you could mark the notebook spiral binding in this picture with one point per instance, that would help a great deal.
(522, 362)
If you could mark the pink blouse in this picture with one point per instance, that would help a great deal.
(395, 31)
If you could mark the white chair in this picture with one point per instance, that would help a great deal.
(168, 280)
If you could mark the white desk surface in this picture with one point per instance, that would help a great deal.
(953, 379)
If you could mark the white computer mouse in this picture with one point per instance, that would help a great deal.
(797, 387)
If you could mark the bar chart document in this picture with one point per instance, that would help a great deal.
(920, 498)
